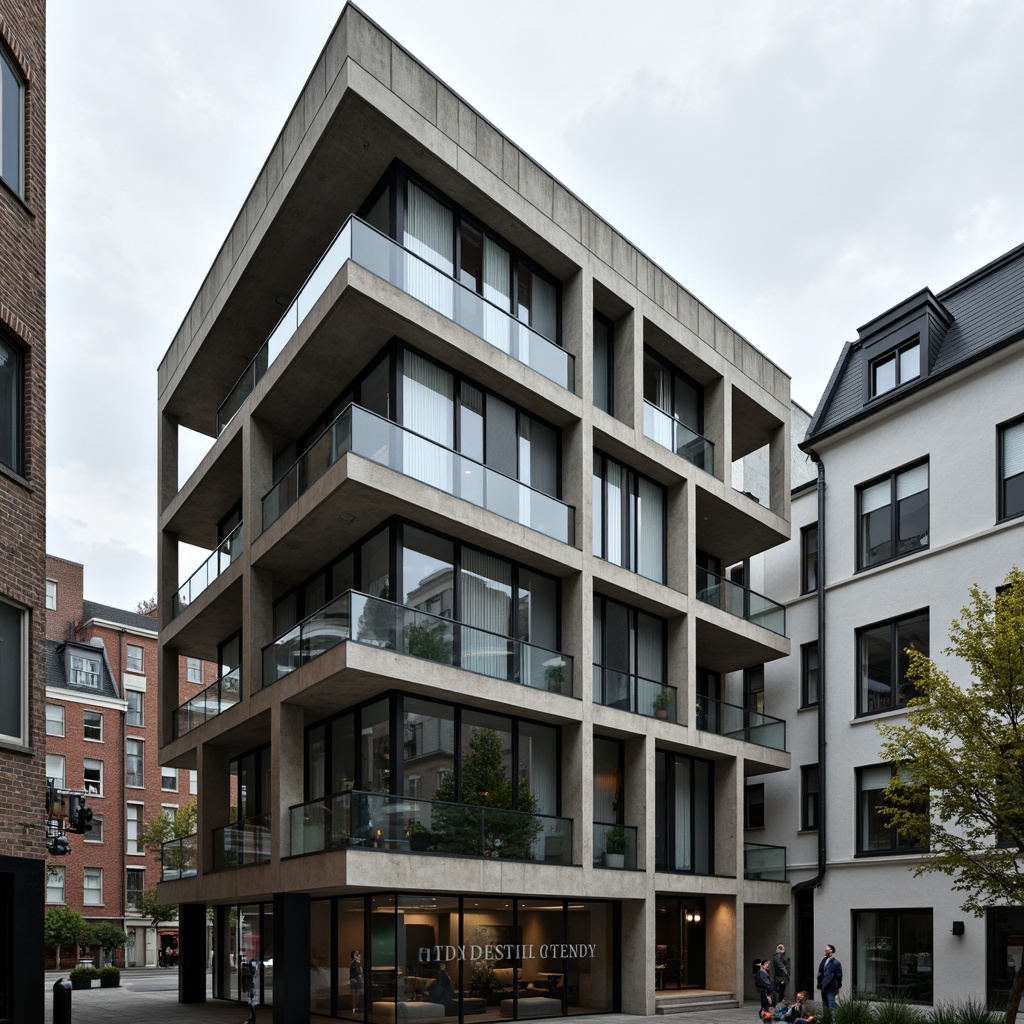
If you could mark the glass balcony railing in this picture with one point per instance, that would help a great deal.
(216, 698)
(242, 843)
(747, 604)
(380, 821)
(366, 246)
(394, 627)
(372, 437)
(615, 846)
(764, 863)
(679, 438)
(740, 723)
(226, 552)
(616, 689)
(178, 858)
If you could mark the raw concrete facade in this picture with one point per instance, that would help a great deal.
(312, 634)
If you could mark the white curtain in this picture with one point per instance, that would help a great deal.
(650, 515)
(684, 831)
(486, 596)
(650, 650)
(430, 234)
(614, 510)
(428, 408)
(497, 289)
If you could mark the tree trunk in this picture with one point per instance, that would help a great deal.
(1013, 1003)
(57, 950)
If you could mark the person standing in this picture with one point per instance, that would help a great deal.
(355, 977)
(780, 972)
(254, 998)
(830, 977)
(763, 984)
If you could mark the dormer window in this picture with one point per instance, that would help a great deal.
(85, 670)
(896, 367)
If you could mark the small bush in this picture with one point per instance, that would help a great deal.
(850, 1011)
(969, 1011)
(897, 1011)
(110, 972)
(84, 971)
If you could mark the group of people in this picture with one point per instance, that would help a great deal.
(772, 978)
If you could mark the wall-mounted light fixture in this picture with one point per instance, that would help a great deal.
(958, 927)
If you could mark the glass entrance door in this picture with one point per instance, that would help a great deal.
(680, 948)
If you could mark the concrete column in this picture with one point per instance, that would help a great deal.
(726, 971)
(679, 672)
(678, 554)
(192, 953)
(779, 469)
(577, 756)
(291, 958)
(214, 801)
(637, 956)
(718, 426)
(729, 792)
(577, 323)
(168, 697)
(287, 763)
(167, 447)
(625, 345)
(257, 585)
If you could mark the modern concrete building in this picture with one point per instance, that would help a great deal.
(22, 505)
(919, 441)
(470, 509)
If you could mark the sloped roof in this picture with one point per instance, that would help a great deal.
(987, 312)
(56, 669)
(94, 610)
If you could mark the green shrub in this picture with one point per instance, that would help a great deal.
(850, 1011)
(84, 971)
(110, 972)
(967, 1011)
(897, 1011)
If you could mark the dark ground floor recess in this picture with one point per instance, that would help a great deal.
(22, 899)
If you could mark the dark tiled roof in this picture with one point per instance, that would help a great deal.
(56, 669)
(93, 610)
(987, 310)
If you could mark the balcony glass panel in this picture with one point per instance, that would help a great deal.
(380, 821)
(224, 554)
(216, 698)
(242, 843)
(615, 846)
(737, 600)
(178, 858)
(679, 438)
(415, 276)
(634, 693)
(765, 863)
(372, 437)
(740, 723)
(379, 623)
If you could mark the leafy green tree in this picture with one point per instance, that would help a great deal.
(108, 937)
(163, 827)
(490, 825)
(63, 927)
(157, 912)
(960, 751)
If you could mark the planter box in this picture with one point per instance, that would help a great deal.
(77, 983)
(110, 982)
(614, 860)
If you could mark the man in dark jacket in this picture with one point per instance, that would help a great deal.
(780, 972)
(763, 984)
(830, 977)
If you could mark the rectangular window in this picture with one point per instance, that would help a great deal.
(753, 806)
(685, 814)
(894, 955)
(135, 827)
(55, 769)
(54, 720)
(135, 887)
(809, 559)
(134, 658)
(96, 834)
(872, 835)
(604, 334)
(13, 651)
(809, 798)
(1011, 469)
(92, 773)
(51, 595)
(629, 519)
(883, 662)
(134, 712)
(893, 516)
(92, 887)
(55, 878)
(93, 725)
(12, 125)
(629, 658)
(193, 781)
(194, 670)
(169, 779)
(134, 775)
(85, 671)
(809, 674)
(896, 367)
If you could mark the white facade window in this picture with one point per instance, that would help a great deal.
(92, 887)
(134, 715)
(13, 648)
(55, 769)
(135, 658)
(54, 720)
(92, 774)
(134, 761)
(51, 595)
(55, 880)
(85, 670)
(93, 725)
(194, 670)
(134, 828)
(169, 779)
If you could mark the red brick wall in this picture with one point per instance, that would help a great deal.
(69, 579)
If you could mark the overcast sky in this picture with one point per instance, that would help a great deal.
(799, 166)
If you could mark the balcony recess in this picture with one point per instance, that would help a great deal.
(225, 693)
(226, 552)
(679, 438)
(242, 843)
(741, 601)
(633, 693)
(740, 723)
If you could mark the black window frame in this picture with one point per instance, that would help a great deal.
(1001, 482)
(666, 809)
(810, 797)
(805, 675)
(753, 808)
(14, 402)
(608, 377)
(98, 729)
(897, 846)
(899, 690)
(896, 355)
(808, 557)
(894, 515)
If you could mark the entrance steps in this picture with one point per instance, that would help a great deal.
(694, 1001)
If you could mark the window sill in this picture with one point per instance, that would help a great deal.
(889, 561)
(873, 716)
(19, 198)
(12, 746)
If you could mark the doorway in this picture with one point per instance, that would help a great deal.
(680, 945)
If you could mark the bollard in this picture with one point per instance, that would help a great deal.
(62, 1001)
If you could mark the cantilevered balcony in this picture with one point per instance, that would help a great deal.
(372, 437)
(366, 246)
(615, 846)
(679, 438)
(394, 627)
(178, 858)
(764, 863)
(225, 693)
(242, 843)
(380, 821)
(740, 723)
(633, 693)
(226, 552)
(742, 601)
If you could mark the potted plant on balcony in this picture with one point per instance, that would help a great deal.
(662, 702)
(555, 676)
(110, 977)
(615, 845)
(420, 837)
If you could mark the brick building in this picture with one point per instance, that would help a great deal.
(22, 503)
(101, 716)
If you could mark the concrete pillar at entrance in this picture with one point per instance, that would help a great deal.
(192, 953)
(291, 958)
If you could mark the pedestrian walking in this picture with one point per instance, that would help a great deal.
(830, 977)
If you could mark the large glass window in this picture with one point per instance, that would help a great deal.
(894, 954)
(809, 559)
(893, 514)
(872, 835)
(684, 807)
(1011, 469)
(674, 393)
(629, 656)
(628, 519)
(12, 125)
(13, 674)
(883, 660)
(753, 805)
(809, 790)
(809, 674)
